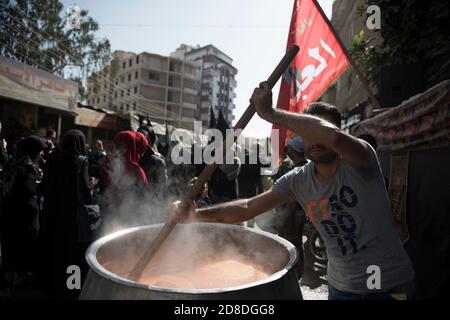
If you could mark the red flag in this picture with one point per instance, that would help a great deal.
(319, 63)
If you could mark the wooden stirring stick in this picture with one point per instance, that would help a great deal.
(137, 270)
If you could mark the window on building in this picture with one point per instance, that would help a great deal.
(136, 74)
(130, 62)
(129, 77)
(128, 107)
(153, 76)
(124, 65)
(137, 59)
(104, 98)
(128, 92)
(117, 81)
(98, 99)
(115, 95)
(134, 106)
(106, 86)
(121, 93)
(135, 89)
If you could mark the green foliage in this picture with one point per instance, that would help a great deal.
(413, 31)
(36, 33)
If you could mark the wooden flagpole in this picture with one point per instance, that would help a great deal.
(350, 59)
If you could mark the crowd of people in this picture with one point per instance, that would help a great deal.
(58, 195)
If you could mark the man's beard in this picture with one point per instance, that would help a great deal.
(324, 158)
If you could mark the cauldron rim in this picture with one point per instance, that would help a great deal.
(91, 258)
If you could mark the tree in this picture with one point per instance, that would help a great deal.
(37, 33)
(413, 32)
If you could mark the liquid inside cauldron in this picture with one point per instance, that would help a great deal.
(197, 256)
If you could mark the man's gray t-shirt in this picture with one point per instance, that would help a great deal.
(352, 213)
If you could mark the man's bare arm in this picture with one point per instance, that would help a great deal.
(311, 127)
(240, 210)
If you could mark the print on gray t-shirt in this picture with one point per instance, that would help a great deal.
(352, 213)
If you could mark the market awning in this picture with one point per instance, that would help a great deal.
(91, 118)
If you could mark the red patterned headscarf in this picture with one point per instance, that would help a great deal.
(130, 146)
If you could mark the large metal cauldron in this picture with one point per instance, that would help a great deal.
(112, 257)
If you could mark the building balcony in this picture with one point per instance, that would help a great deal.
(184, 118)
(153, 68)
(209, 72)
(190, 91)
(151, 100)
(173, 103)
(173, 88)
(153, 84)
(191, 76)
(189, 105)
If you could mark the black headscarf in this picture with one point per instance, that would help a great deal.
(73, 142)
(29, 146)
(149, 133)
(25, 152)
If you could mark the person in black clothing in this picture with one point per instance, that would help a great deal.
(65, 181)
(20, 206)
(51, 134)
(223, 182)
(293, 218)
(249, 178)
(152, 161)
(202, 199)
(51, 144)
(4, 157)
(96, 159)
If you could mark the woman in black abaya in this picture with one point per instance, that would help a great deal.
(65, 181)
(20, 206)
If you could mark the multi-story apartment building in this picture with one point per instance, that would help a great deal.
(163, 88)
(217, 80)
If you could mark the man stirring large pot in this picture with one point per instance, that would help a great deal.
(343, 193)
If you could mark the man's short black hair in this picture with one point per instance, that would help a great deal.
(323, 108)
(51, 132)
(149, 133)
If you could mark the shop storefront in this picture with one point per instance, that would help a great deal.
(32, 100)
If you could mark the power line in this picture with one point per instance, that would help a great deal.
(20, 42)
(153, 115)
(23, 56)
(138, 96)
(166, 110)
(150, 113)
(229, 26)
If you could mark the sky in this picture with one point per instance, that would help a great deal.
(252, 32)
